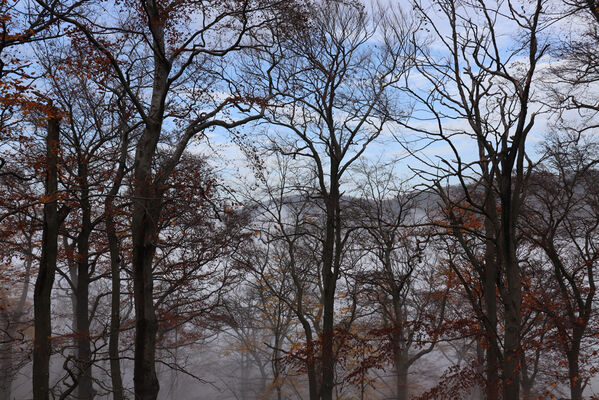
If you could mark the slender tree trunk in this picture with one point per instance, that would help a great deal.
(513, 300)
(328, 301)
(73, 270)
(310, 362)
(511, 379)
(490, 297)
(312, 382)
(47, 270)
(115, 302)
(328, 366)
(400, 352)
(276, 374)
(82, 334)
(492, 360)
(115, 261)
(84, 356)
(147, 207)
(330, 269)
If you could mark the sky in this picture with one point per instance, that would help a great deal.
(387, 147)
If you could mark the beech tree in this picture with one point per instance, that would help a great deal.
(286, 247)
(403, 272)
(187, 75)
(475, 81)
(93, 140)
(562, 221)
(47, 270)
(282, 256)
(259, 324)
(333, 80)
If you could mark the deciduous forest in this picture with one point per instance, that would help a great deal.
(299, 199)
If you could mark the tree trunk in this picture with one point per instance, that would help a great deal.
(47, 270)
(513, 300)
(146, 213)
(511, 378)
(492, 368)
(401, 378)
(311, 367)
(276, 374)
(574, 374)
(115, 261)
(328, 365)
(82, 334)
(490, 298)
(115, 302)
(312, 382)
(310, 362)
(329, 282)
(147, 206)
(146, 325)
(401, 361)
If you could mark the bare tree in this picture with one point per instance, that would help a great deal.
(90, 138)
(562, 220)
(259, 324)
(283, 253)
(155, 44)
(333, 99)
(19, 241)
(47, 271)
(479, 93)
(407, 298)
